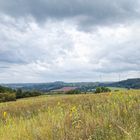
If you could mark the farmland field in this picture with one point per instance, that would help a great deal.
(106, 116)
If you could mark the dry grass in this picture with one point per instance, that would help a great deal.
(111, 116)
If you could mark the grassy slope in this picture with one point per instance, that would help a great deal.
(113, 116)
(117, 88)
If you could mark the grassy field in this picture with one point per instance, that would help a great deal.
(108, 116)
(117, 88)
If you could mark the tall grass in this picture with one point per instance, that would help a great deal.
(108, 116)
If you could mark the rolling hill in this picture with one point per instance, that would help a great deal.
(83, 86)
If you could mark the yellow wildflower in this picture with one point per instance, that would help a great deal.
(58, 103)
(74, 109)
(4, 114)
(70, 115)
(110, 126)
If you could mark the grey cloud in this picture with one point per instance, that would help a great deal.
(4, 67)
(11, 57)
(85, 12)
(56, 50)
(35, 44)
(121, 60)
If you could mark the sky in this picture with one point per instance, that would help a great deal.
(69, 40)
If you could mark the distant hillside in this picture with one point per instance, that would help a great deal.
(129, 83)
(83, 86)
(5, 90)
(46, 87)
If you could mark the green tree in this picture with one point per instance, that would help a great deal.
(102, 89)
(73, 92)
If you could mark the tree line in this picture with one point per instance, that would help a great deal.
(8, 94)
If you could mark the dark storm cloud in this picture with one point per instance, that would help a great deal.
(86, 12)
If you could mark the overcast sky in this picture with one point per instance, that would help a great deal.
(69, 40)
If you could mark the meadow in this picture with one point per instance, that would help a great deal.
(105, 116)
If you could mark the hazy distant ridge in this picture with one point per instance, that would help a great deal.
(83, 86)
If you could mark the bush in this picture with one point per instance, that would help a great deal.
(25, 94)
(102, 89)
(73, 92)
(7, 97)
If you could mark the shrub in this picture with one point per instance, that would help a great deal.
(73, 92)
(102, 89)
(7, 97)
(25, 94)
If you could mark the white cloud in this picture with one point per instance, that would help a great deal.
(57, 50)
